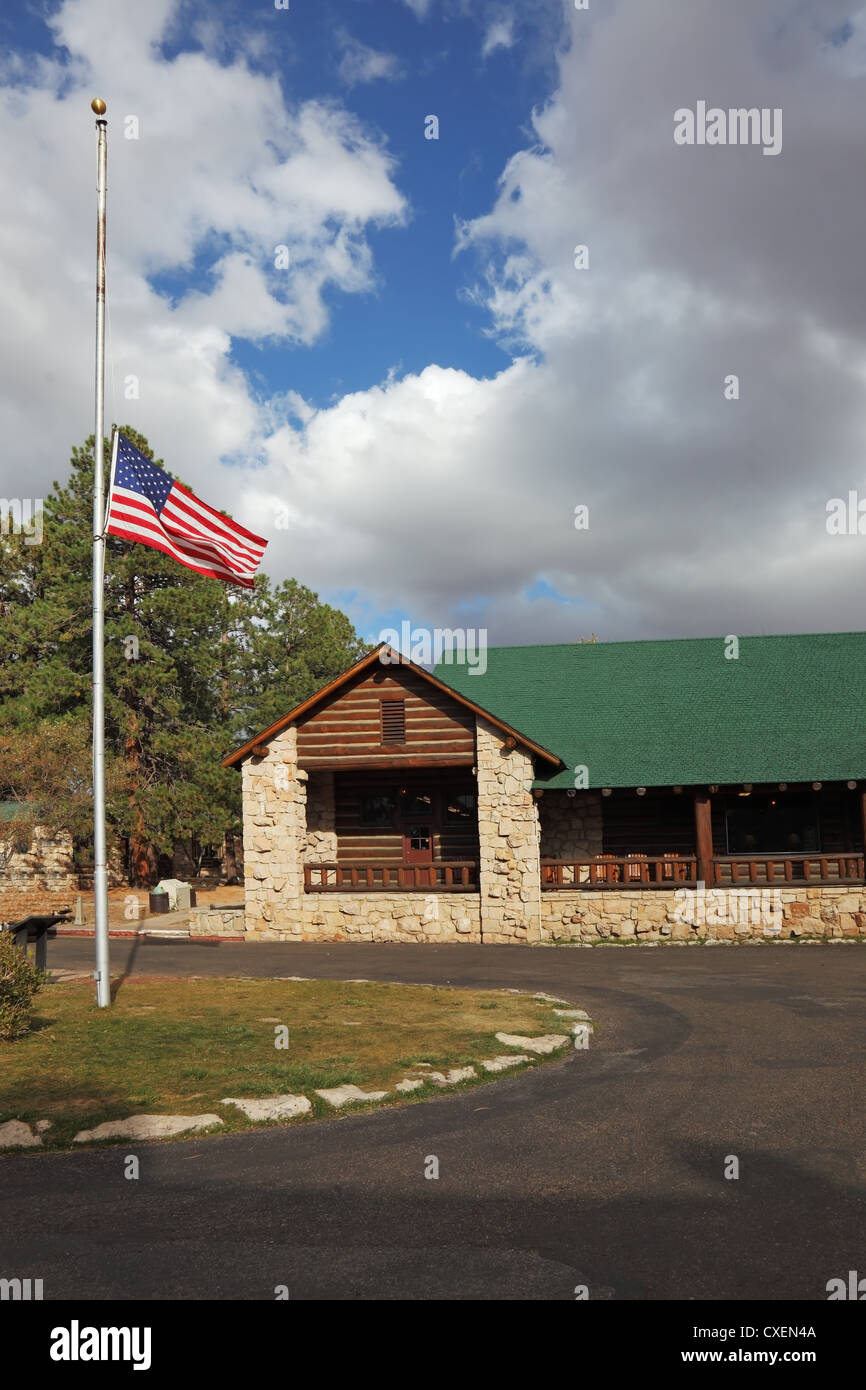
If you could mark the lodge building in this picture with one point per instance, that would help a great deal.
(568, 792)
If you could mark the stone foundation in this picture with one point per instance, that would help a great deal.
(823, 913)
(388, 917)
(359, 917)
(226, 921)
(637, 916)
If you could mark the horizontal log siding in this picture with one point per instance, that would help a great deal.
(348, 725)
(659, 823)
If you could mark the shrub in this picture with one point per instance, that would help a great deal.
(19, 982)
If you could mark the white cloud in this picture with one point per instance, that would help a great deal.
(420, 8)
(706, 515)
(223, 172)
(362, 64)
(500, 34)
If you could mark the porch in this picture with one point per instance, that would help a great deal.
(401, 832)
(419, 832)
(726, 837)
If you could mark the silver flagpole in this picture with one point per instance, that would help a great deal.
(100, 867)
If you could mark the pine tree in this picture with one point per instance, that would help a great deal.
(192, 666)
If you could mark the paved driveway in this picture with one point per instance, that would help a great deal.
(606, 1169)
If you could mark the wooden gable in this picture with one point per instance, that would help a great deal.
(387, 716)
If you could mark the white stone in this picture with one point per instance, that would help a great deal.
(408, 1085)
(549, 1042)
(500, 1063)
(271, 1107)
(571, 1013)
(451, 1078)
(552, 999)
(147, 1127)
(15, 1134)
(42, 1125)
(346, 1095)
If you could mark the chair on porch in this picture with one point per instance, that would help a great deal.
(637, 872)
(672, 869)
(606, 870)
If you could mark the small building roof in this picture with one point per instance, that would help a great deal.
(307, 707)
(668, 713)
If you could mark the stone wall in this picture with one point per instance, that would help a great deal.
(390, 917)
(571, 826)
(41, 878)
(275, 836)
(509, 874)
(217, 921)
(46, 863)
(354, 917)
(644, 915)
(321, 831)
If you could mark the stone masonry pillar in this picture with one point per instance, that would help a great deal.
(275, 837)
(510, 866)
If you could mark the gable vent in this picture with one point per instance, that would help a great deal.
(393, 721)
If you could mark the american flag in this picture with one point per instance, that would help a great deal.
(147, 506)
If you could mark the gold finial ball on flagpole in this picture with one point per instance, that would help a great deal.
(98, 105)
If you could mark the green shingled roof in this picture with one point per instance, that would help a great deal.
(789, 709)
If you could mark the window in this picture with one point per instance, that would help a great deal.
(419, 838)
(460, 808)
(773, 825)
(393, 721)
(415, 804)
(377, 810)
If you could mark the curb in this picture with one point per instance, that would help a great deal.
(114, 933)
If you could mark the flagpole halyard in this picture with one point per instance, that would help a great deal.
(100, 866)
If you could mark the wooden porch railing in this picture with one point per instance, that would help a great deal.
(457, 876)
(733, 869)
(652, 871)
(728, 871)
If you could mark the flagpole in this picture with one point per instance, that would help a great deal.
(100, 868)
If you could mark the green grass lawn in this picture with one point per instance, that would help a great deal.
(179, 1046)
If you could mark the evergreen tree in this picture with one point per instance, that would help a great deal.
(192, 666)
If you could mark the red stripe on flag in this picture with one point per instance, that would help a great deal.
(225, 520)
(156, 544)
(134, 518)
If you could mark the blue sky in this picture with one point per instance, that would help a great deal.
(417, 311)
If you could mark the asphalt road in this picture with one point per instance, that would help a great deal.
(606, 1169)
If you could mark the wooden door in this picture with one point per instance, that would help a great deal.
(417, 823)
(418, 843)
